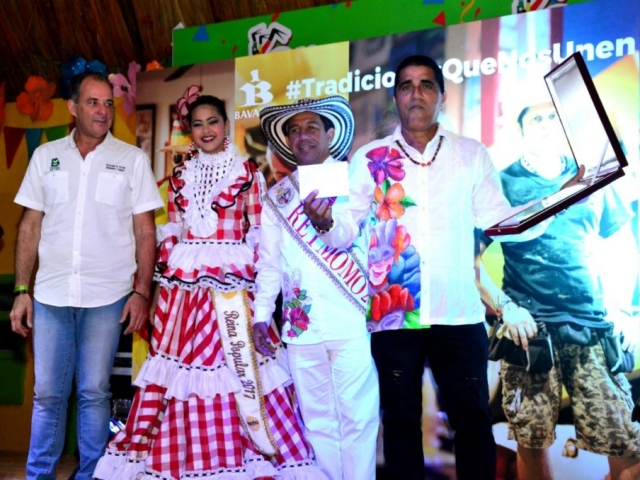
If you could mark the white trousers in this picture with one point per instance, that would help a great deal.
(337, 387)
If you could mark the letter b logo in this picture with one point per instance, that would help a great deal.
(256, 91)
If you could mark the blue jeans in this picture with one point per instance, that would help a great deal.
(70, 341)
(457, 356)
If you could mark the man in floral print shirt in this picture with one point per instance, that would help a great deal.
(324, 296)
(425, 189)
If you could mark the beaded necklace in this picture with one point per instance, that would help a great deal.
(433, 159)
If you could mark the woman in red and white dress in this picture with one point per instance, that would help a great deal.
(209, 406)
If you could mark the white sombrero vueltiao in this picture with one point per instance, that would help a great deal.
(334, 108)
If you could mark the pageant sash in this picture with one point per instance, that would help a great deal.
(234, 321)
(344, 267)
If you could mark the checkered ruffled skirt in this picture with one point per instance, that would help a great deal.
(184, 423)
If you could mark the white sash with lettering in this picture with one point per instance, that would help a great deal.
(345, 267)
(234, 320)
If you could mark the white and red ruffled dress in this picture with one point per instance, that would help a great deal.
(183, 422)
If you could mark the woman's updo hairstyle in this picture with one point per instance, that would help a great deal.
(206, 100)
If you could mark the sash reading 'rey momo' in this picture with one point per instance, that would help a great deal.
(234, 320)
(345, 267)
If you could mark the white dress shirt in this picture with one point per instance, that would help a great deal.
(87, 246)
(282, 264)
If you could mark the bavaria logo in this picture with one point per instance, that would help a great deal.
(257, 92)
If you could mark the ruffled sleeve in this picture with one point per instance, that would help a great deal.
(168, 235)
(254, 207)
(176, 202)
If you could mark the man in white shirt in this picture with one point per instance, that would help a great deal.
(324, 291)
(89, 201)
(424, 188)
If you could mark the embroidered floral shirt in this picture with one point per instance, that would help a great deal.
(420, 225)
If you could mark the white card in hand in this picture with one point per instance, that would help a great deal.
(330, 179)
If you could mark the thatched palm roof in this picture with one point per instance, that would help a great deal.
(39, 35)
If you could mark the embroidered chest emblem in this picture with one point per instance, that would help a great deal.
(296, 305)
(55, 164)
(283, 195)
(296, 312)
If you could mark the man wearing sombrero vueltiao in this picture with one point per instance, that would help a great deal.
(325, 295)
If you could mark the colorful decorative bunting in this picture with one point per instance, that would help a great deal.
(12, 138)
(55, 133)
(201, 35)
(33, 136)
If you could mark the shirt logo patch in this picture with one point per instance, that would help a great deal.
(118, 168)
(55, 164)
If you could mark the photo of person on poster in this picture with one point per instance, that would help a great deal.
(556, 278)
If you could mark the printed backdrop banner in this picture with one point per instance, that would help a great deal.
(493, 70)
(258, 84)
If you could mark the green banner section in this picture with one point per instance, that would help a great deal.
(352, 20)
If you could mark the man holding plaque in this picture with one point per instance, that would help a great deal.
(324, 289)
(425, 189)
